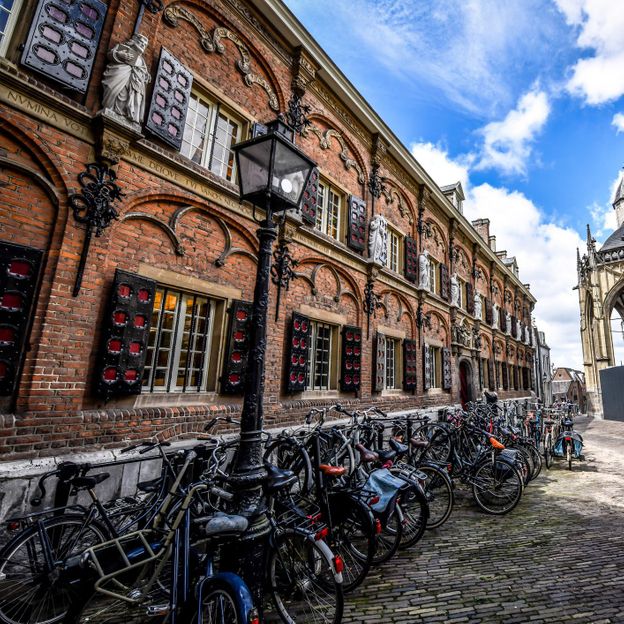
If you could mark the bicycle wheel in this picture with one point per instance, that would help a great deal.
(440, 496)
(222, 602)
(496, 486)
(533, 451)
(32, 591)
(548, 457)
(415, 510)
(352, 536)
(389, 539)
(569, 454)
(440, 442)
(302, 581)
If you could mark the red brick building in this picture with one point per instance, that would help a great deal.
(155, 336)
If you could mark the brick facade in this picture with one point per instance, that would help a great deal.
(184, 227)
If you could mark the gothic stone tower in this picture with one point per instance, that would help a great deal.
(601, 291)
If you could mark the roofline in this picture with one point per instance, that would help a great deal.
(294, 32)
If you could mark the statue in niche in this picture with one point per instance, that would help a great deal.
(424, 278)
(508, 323)
(478, 308)
(495, 315)
(125, 79)
(454, 290)
(378, 240)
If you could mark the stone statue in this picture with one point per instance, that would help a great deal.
(125, 79)
(424, 263)
(508, 323)
(518, 335)
(454, 290)
(478, 308)
(495, 316)
(378, 240)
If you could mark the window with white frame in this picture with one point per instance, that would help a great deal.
(393, 358)
(460, 301)
(209, 134)
(9, 10)
(320, 366)
(178, 352)
(393, 257)
(328, 209)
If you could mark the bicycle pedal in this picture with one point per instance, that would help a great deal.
(157, 610)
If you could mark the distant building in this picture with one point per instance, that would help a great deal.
(543, 368)
(569, 385)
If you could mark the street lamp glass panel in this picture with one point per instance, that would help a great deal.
(290, 173)
(254, 162)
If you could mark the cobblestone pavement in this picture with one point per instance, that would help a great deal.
(558, 557)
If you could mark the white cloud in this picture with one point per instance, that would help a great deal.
(507, 144)
(599, 78)
(618, 122)
(545, 251)
(603, 218)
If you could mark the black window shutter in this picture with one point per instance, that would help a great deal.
(237, 350)
(505, 370)
(515, 377)
(491, 377)
(410, 364)
(525, 378)
(502, 319)
(445, 289)
(489, 317)
(447, 374)
(310, 197)
(297, 365)
(63, 41)
(411, 259)
(427, 366)
(470, 307)
(356, 234)
(481, 373)
(19, 275)
(351, 360)
(379, 381)
(514, 326)
(170, 100)
(125, 335)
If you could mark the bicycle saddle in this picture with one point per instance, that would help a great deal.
(397, 446)
(549, 422)
(150, 486)
(366, 456)
(419, 442)
(387, 455)
(278, 479)
(222, 523)
(332, 471)
(88, 483)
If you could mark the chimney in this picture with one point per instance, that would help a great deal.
(482, 226)
(492, 242)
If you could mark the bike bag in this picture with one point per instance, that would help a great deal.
(386, 486)
(577, 440)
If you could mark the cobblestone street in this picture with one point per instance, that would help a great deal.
(558, 557)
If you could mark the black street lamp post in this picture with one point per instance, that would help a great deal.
(272, 175)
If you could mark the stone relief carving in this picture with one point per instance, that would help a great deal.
(212, 42)
(478, 307)
(461, 335)
(495, 315)
(454, 290)
(378, 240)
(391, 195)
(125, 79)
(325, 143)
(424, 279)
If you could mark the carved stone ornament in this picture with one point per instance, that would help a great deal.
(378, 240)
(125, 80)
(478, 307)
(212, 42)
(304, 71)
(454, 290)
(325, 143)
(424, 278)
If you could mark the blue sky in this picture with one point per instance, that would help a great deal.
(520, 100)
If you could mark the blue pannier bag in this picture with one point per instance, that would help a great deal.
(385, 485)
(576, 438)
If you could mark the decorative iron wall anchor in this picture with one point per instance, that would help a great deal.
(372, 302)
(94, 207)
(375, 182)
(153, 6)
(282, 271)
(297, 114)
